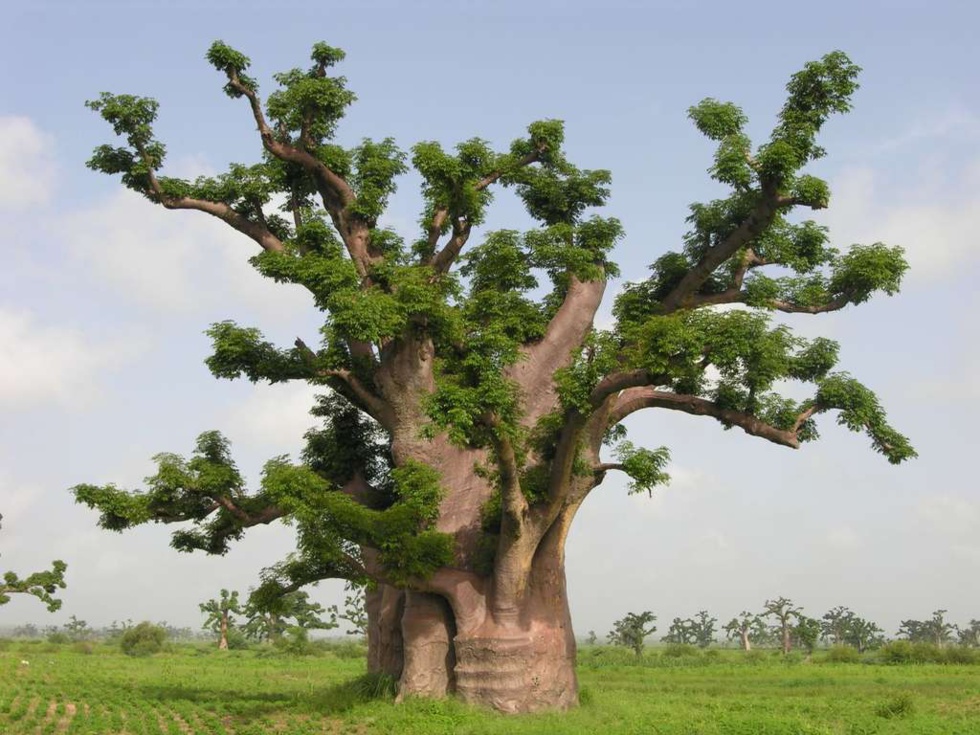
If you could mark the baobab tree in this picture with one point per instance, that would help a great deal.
(220, 614)
(464, 414)
(784, 612)
(746, 627)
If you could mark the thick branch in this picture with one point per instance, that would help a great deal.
(265, 516)
(563, 337)
(258, 231)
(735, 296)
(337, 194)
(444, 259)
(635, 399)
(514, 503)
(352, 387)
(758, 220)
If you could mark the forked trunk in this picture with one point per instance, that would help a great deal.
(746, 643)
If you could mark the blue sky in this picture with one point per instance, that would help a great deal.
(104, 298)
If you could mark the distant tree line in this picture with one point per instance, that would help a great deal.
(782, 624)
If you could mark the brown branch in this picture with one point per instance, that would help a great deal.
(515, 505)
(562, 338)
(758, 220)
(257, 231)
(636, 399)
(340, 193)
(835, 305)
(803, 417)
(444, 259)
(608, 466)
(334, 190)
(265, 516)
(373, 404)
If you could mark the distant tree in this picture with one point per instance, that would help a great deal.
(680, 631)
(805, 632)
(592, 639)
(703, 627)
(631, 630)
(42, 585)
(27, 631)
(78, 630)
(835, 625)
(935, 630)
(970, 635)
(268, 618)
(747, 628)
(220, 614)
(784, 612)
(699, 630)
(865, 635)
(354, 612)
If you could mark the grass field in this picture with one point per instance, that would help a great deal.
(193, 690)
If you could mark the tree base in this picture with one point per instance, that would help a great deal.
(532, 671)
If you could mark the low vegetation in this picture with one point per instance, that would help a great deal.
(195, 689)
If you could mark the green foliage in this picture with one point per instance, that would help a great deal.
(354, 612)
(644, 467)
(270, 615)
(144, 639)
(806, 632)
(843, 655)
(630, 631)
(42, 585)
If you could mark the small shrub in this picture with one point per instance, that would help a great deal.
(375, 686)
(680, 650)
(961, 655)
(58, 638)
(899, 707)
(144, 639)
(843, 655)
(236, 640)
(897, 652)
(84, 647)
(346, 650)
(295, 642)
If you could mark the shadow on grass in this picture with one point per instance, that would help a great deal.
(247, 706)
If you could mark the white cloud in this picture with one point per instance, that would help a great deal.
(951, 516)
(27, 164)
(180, 262)
(685, 491)
(273, 418)
(51, 364)
(936, 221)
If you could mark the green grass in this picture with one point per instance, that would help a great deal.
(194, 690)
